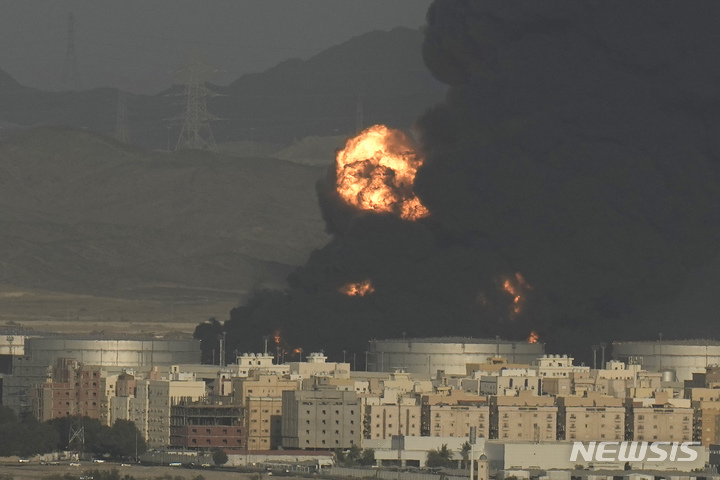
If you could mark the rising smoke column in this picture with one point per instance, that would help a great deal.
(581, 138)
(576, 151)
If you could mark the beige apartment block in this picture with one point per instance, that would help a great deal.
(321, 419)
(525, 417)
(384, 421)
(316, 364)
(263, 422)
(557, 387)
(455, 420)
(557, 366)
(161, 395)
(454, 397)
(493, 365)
(660, 419)
(249, 364)
(706, 405)
(261, 385)
(508, 382)
(595, 417)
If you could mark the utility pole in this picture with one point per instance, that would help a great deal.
(221, 338)
(472, 440)
(194, 74)
(594, 350)
(71, 77)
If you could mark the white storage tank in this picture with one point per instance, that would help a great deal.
(450, 354)
(682, 357)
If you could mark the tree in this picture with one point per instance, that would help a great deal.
(219, 457)
(350, 457)
(121, 440)
(367, 457)
(441, 457)
(465, 452)
(25, 437)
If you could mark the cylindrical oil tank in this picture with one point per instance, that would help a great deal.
(683, 357)
(106, 352)
(12, 343)
(450, 355)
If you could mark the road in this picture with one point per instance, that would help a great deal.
(35, 471)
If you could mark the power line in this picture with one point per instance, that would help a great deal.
(71, 77)
(194, 74)
(121, 127)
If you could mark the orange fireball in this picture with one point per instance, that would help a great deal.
(533, 338)
(376, 172)
(517, 287)
(359, 289)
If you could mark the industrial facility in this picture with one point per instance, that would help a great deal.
(676, 359)
(41, 351)
(450, 355)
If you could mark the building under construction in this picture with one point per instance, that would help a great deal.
(203, 426)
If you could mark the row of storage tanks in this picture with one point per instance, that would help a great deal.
(107, 352)
(677, 359)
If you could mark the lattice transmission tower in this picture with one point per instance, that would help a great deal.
(121, 121)
(71, 77)
(194, 74)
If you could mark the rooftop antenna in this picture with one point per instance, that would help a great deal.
(71, 77)
(194, 74)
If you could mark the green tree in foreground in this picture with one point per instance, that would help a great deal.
(219, 457)
(441, 457)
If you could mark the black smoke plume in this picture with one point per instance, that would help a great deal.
(578, 147)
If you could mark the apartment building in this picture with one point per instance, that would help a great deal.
(152, 407)
(72, 389)
(509, 381)
(595, 417)
(455, 420)
(659, 419)
(263, 422)
(261, 385)
(383, 421)
(199, 426)
(706, 407)
(317, 364)
(525, 417)
(321, 419)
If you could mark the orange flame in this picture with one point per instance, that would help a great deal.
(517, 287)
(359, 289)
(297, 350)
(533, 338)
(376, 171)
(276, 337)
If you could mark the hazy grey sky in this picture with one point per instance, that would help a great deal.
(133, 44)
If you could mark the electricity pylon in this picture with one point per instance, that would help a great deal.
(121, 127)
(71, 77)
(194, 74)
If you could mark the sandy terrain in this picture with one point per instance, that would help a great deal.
(71, 313)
